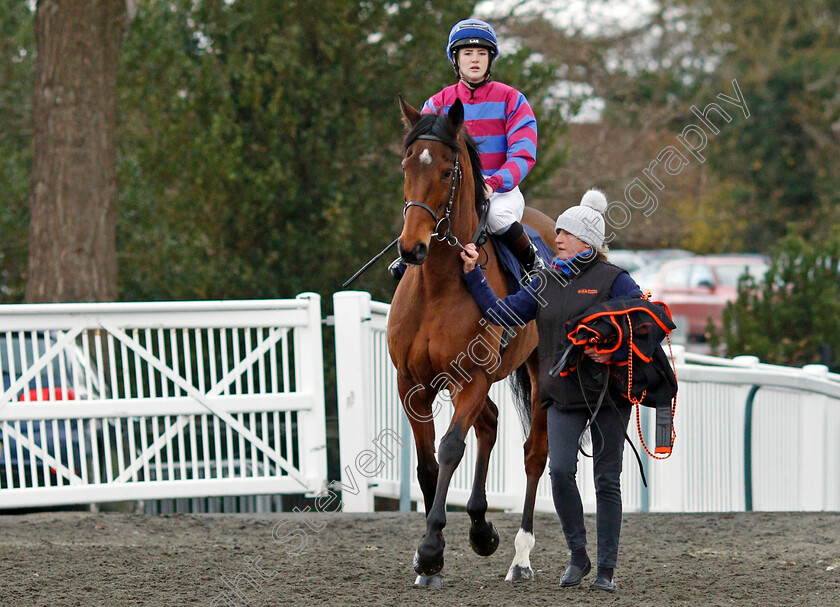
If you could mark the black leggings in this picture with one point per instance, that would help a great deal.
(564, 428)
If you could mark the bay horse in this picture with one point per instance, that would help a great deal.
(434, 331)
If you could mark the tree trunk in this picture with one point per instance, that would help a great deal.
(72, 233)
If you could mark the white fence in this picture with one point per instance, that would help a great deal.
(749, 435)
(106, 402)
(112, 402)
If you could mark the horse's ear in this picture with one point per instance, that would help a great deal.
(456, 115)
(410, 115)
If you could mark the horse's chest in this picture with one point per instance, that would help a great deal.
(429, 346)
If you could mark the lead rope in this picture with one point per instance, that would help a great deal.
(638, 401)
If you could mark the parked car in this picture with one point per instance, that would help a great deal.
(698, 288)
(635, 261)
(656, 257)
(626, 259)
(62, 379)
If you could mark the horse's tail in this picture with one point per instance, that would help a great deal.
(520, 386)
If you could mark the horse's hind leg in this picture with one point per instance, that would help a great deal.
(484, 538)
(536, 454)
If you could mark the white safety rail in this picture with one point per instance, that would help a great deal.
(142, 401)
(779, 450)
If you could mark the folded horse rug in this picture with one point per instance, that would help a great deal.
(636, 327)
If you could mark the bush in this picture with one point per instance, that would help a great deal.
(794, 317)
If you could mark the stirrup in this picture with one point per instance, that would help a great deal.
(534, 265)
(538, 264)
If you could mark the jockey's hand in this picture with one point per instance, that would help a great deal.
(488, 191)
(602, 357)
(470, 257)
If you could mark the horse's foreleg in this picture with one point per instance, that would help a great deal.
(418, 407)
(468, 403)
(484, 538)
(536, 454)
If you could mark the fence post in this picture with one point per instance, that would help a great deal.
(750, 361)
(309, 375)
(748, 417)
(812, 471)
(355, 429)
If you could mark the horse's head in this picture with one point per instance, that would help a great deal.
(438, 176)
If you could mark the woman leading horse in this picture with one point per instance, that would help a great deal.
(438, 339)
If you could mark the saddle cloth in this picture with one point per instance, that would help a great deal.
(508, 260)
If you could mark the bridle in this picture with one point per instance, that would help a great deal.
(440, 234)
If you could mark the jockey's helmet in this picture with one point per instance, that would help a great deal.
(472, 33)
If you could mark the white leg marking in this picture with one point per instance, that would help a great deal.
(524, 542)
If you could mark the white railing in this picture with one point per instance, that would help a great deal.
(129, 401)
(749, 435)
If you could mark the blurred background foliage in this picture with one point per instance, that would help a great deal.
(794, 317)
(259, 141)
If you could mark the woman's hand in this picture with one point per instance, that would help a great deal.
(602, 357)
(470, 257)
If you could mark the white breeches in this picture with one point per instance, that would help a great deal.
(505, 208)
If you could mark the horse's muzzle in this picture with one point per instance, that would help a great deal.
(415, 256)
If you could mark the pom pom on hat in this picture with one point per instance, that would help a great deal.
(586, 221)
(594, 199)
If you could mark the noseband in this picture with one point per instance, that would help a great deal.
(440, 223)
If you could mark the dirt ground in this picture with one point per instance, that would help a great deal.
(666, 560)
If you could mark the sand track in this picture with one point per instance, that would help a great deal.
(666, 560)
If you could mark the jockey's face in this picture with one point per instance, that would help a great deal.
(569, 245)
(473, 63)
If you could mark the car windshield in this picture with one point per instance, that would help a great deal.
(14, 361)
(729, 274)
(645, 276)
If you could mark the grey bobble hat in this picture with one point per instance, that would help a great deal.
(586, 221)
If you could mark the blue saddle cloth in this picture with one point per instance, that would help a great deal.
(508, 260)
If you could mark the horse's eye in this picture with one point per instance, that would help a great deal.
(402, 166)
(446, 175)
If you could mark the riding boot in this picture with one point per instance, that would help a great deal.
(516, 238)
(397, 268)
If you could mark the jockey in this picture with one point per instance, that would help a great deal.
(501, 121)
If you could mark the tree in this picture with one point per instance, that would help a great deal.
(73, 213)
(793, 316)
(260, 141)
(775, 173)
(17, 73)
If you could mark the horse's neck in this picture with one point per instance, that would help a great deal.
(441, 274)
(442, 271)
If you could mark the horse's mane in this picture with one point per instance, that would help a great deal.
(438, 126)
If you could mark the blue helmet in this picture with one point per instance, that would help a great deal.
(471, 32)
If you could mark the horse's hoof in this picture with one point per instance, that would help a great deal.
(429, 581)
(427, 567)
(484, 543)
(517, 574)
